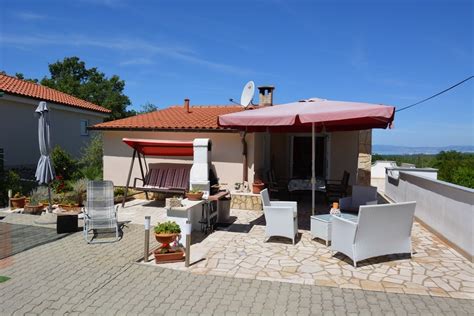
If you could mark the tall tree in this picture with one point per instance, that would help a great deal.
(71, 76)
(147, 108)
(21, 76)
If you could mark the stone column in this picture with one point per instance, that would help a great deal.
(364, 161)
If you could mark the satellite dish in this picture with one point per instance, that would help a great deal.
(247, 94)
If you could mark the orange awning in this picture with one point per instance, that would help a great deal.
(151, 147)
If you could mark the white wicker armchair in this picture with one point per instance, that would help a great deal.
(361, 195)
(381, 230)
(281, 217)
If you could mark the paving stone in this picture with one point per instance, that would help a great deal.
(103, 279)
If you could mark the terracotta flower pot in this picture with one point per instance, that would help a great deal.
(194, 196)
(33, 209)
(173, 255)
(165, 238)
(18, 202)
(70, 207)
(257, 187)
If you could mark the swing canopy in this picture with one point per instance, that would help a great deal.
(152, 147)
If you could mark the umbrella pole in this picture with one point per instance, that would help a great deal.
(50, 206)
(313, 177)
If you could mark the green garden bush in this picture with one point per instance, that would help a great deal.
(9, 180)
(64, 165)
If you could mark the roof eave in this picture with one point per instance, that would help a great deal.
(105, 113)
(154, 129)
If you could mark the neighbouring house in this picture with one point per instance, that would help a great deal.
(287, 154)
(70, 118)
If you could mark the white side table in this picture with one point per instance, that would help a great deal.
(321, 225)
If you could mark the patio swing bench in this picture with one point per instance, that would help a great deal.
(165, 178)
(159, 177)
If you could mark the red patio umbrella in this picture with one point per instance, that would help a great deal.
(311, 114)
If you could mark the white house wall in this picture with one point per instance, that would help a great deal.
(226, 156)
(19, 129)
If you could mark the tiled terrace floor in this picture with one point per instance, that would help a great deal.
(70, 277)
(240, 251)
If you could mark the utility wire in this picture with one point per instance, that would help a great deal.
(435, 95)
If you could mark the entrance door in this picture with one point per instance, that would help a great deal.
(301, 168)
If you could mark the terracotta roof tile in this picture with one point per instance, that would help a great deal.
(174, 117)
(17, 86)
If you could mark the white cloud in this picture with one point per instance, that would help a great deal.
(106, 3)
(30, 16)
(136, 61)
(127, 45)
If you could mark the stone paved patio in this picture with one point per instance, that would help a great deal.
(69, 277)
(434, 269)
(17, 238)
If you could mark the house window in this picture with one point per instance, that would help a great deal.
(84, 125)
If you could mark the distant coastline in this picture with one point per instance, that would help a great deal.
(406, 150)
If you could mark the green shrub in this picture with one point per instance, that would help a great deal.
(79, 189)
(91, 173)
(455, 167)
(38, 195)
(91, 159)
(64, 165)
(89, 166)
(59, 185)
(10, 181)
(119, 191)
(463, 176)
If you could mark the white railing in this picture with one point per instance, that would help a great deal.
(446, 208)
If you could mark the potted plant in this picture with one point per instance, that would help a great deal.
(18, 201)
(194, 195)
(167, 233)
(257, 186)
(79, 189)
(34, 205)
(42, 194)
(68, 203)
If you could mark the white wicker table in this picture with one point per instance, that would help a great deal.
(321, 225)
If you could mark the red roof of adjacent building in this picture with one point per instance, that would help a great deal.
(174, 117)
(25, 88)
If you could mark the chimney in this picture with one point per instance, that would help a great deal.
(265, 95)
(186, 105)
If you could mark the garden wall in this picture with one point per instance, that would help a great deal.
(446, 208)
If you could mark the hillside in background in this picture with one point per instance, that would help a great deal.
(454, 167)
(405, 150)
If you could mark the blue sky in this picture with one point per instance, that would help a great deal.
(389, 52)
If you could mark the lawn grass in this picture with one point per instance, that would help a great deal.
(3, 278)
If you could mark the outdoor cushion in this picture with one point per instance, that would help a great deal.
(167, 177)
(361, 195)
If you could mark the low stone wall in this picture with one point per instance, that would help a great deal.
(245, 201)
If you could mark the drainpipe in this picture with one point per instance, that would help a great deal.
(244, 156)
